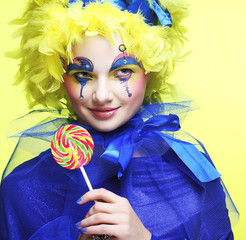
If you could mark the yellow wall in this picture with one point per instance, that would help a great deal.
(213, 74)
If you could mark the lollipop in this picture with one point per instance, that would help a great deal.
(72, 147)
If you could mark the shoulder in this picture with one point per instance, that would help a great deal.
(33, 183)
(32, 195)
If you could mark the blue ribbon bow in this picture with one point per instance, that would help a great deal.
(121, 148)
(151, 15)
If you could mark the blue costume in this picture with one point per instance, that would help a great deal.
(172, 186)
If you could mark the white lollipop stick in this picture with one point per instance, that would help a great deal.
(86, 178)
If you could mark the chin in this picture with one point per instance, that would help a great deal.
(105, 127)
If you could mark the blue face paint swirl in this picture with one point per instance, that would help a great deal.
(124, 61)
(81, 64)
(151, 15)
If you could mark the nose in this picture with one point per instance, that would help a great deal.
(102, 93)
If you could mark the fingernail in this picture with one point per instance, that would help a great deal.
(79, 200)
(83, 230)
(78, 224)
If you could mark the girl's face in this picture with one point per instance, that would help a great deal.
(105, 85)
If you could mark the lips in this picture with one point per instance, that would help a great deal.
(104, 112)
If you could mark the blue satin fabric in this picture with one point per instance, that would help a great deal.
(154, 128)
(175, 198)
(151, 15)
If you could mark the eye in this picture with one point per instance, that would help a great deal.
(82, 75)
(124, 72)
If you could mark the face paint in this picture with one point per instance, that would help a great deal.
(122, 48)
(124, 75)
(123, 61)
(106, 105)
(82, 68)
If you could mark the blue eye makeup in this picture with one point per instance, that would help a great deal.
(83, 67)
(80, 63)
(123, 62)
(82, 70)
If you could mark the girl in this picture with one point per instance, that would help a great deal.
(105, 66)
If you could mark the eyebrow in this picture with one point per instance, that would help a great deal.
(124, 60)
(80, 63)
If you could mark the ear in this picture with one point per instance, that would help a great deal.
(147, 76)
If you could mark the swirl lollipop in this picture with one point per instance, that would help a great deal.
(72, 147)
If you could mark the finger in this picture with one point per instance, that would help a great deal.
(101, 194)
(102, 229)
(100, 218)
(102, 207)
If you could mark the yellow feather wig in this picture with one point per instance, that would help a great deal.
(50, 29)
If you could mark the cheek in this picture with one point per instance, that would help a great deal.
(139, 85)
(72, 87)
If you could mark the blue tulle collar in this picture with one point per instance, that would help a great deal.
(154, 136)
(150, 132)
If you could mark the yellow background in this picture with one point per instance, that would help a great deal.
(213, 74)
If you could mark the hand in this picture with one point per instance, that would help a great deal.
(111, 215)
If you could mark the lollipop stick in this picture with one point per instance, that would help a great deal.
(86, 178)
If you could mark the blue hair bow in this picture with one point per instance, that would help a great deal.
(151, 15)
